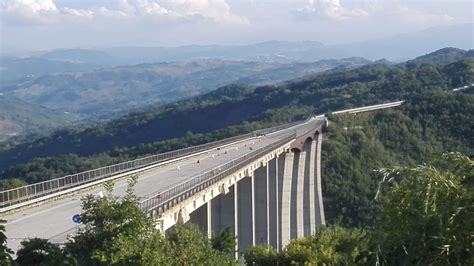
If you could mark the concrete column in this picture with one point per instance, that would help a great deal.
(319, 207)
(294, 196)
(261, 207)
(209, 219)
(245, 221)
(300, 206)
(236, 220)
(285, 199)
(199, 217)
(312, 188)
(273, 210)
(222, 209)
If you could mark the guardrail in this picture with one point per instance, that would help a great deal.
(29, 192)
(17, 195)
(163, 200)
(369, 108)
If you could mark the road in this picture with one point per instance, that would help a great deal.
(53, 220)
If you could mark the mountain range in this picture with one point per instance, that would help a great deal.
(104, 93)
(395, 48)
(250, 107)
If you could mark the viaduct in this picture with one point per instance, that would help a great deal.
(265, 186)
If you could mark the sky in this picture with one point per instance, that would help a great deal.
(27, 25)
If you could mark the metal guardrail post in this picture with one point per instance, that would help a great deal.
(161, 199)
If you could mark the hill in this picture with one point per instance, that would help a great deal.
(30, 68)
(111, 92)
(394, 48)
(81, 56)
(407, 46)
(18, 117)
(443, 56)
(250, 107)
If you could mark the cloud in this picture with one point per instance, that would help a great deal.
(46, 11)
(413, 16)
(399, 11)
(35, 11)
(331, 9)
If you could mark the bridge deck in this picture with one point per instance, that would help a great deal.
(52, 220)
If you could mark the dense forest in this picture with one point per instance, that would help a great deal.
(424, 216)
(236, 105)
(398, 190)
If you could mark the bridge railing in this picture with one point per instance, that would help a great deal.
(164, 200)
(17, 195)
(29, 192)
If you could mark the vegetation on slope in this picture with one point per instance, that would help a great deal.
(19, 117)
(355, 146)
(233, 105)
(424, 217)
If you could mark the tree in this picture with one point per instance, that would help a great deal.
(333, 245)
(190, 246)
(224, 241)
(37, 251)
(12, 183)
(5, 252)
(427, 213)
(260, 256)
(115, 232)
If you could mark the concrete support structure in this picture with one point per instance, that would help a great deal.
(273, 196)
(319, 206)
(245, 217)
(285, 199)
(261, 210)
(270, 203)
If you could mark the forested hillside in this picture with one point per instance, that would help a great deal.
(19, 117)
(443, 56)
(110, 92)
(421, 129)
(232, 105)
(386, 214)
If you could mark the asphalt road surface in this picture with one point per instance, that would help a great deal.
(53, 220)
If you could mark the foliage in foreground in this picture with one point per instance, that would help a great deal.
(333, 245)
(427, 213)
(426, 217)
(117, 232)
(5, 252)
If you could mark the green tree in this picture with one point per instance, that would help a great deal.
(5, 252)
(37, 251)
(427, 213)
(12, 183)
(333, 245)
(190, 246)
(260, 256)
(224, 241)
(115, 230)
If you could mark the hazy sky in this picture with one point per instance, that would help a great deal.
(46, 24)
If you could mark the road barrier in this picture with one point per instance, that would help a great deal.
(33, 191)
(164, 200)
(17, 195)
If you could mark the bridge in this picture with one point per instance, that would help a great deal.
(265, 186)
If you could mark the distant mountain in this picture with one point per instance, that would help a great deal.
(408, 46)
(250, 106)
(33, 67)
(82, 56)
(108, 92)
(306, 51)
(443, 56)
(396, 48)
(19, 117)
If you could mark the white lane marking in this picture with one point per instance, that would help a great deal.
(41, 212)
(66, 203)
